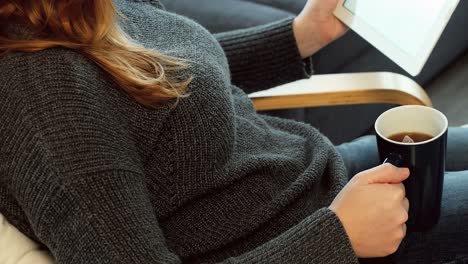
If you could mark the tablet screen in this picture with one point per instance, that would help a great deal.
(406, 23)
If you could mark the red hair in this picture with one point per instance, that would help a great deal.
(90, 27)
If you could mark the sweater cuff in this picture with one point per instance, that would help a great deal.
(320, 238)
(265, 56)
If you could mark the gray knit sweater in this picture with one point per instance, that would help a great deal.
(97, 178)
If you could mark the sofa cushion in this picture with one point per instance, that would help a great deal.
(225, 15)
(16, 248)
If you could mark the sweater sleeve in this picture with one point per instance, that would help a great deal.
(265, 56)
(78, 177)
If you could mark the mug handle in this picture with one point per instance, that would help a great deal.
(394, 159)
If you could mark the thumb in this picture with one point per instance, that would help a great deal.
(386, 173)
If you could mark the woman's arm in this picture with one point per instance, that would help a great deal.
(266, 56)
(308, 242)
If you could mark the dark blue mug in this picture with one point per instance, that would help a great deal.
(426, 159)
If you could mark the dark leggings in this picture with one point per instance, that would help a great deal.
(448, 241)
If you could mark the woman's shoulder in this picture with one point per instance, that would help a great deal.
(57, 62)
(65, 84)
(50, 73)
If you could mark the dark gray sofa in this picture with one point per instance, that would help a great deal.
(349, 54)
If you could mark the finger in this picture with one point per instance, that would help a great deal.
(386, 173)
(402, 188)
(406, 204)
(343, 26)
(397, 191)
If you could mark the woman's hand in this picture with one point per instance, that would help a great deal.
(316, 26)
(373, 209)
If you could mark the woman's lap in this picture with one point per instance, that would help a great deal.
(448, 241)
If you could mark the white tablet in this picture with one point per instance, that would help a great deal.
(406, 31)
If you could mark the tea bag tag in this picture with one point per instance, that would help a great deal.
(408, 139)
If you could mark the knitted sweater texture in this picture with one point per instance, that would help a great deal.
(97, 178)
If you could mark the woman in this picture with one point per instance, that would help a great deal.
(118, 152)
